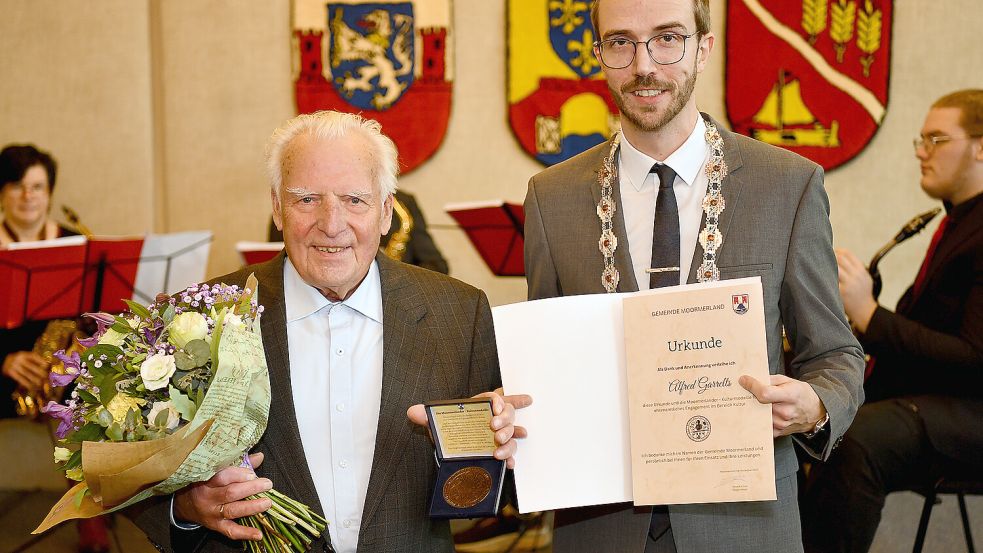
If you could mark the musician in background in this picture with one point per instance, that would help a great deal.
(27, 179)
(925, 399)
(407, 240)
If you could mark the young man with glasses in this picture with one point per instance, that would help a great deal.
(648, 209)
(924, 399)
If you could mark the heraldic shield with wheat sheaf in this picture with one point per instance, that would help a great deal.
(821, 89)
(388, 61)
(559, 104)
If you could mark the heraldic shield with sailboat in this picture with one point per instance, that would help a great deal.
(821, 90)
(559, 104)
(389, 61)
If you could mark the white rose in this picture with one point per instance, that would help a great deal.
(173, 417)
(62, 454)
(186, 327)
(156, 371)
(112, 338)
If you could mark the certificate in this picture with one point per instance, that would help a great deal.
(696, 435)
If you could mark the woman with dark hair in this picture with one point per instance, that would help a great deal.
(27, 179)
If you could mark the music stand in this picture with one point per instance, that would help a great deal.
(495, 228)
(66, 277)
(257, 252)
(42, 280)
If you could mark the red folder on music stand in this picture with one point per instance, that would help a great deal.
(42, 280)
(66, 277)
(495, 229)
(257, 252)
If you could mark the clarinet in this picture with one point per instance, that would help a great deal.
(911, 228)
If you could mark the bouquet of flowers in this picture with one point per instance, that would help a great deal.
(165, 396)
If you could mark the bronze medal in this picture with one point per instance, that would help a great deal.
(467, 487)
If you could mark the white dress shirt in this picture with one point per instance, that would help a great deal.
(640, 189)
(336, 377)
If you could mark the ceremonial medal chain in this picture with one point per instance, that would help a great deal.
(711, 239)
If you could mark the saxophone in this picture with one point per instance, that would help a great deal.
(911, 228)
(58, 334)
(396, 247)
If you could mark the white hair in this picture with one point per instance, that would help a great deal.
(335, 125)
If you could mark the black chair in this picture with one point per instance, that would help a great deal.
(949, 478)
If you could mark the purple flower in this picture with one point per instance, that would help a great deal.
(64, 416)
(103, 322)
(72, 365)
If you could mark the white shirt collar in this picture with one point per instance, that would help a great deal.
(686, 161)
(302, 299)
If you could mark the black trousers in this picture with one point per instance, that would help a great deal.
(885, 450)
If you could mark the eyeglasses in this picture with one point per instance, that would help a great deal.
(19, 187)
(930, 142)
(663, 49)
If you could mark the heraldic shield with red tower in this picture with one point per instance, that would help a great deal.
(388, 61)
(810, 76)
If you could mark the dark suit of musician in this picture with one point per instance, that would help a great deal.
(438, 343)
(924, 391)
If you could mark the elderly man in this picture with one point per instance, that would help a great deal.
(926, 373)
(648, 209)
(353, 340)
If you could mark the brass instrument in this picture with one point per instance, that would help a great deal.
(396, 247)
(74, 220)
(911, 228)
(58, 334)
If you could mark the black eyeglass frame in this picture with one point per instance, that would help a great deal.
(635, 43)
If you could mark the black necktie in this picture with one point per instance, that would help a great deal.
(665, 232)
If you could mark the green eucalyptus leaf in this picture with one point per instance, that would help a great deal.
(161, 419)
(105, 418)
(199, 352)
(182, 403)
(132, 415)
(183, 361)
(115, 432)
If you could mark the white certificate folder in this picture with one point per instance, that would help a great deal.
(569, 355)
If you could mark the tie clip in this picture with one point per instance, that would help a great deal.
(662, 270)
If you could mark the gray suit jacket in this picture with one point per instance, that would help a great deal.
(776, 226)
(438, 343)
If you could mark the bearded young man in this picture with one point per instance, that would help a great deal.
(601, 221)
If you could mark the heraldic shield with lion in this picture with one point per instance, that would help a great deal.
(389, 61)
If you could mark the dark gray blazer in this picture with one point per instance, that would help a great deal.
(438, 343)
(775, 225)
